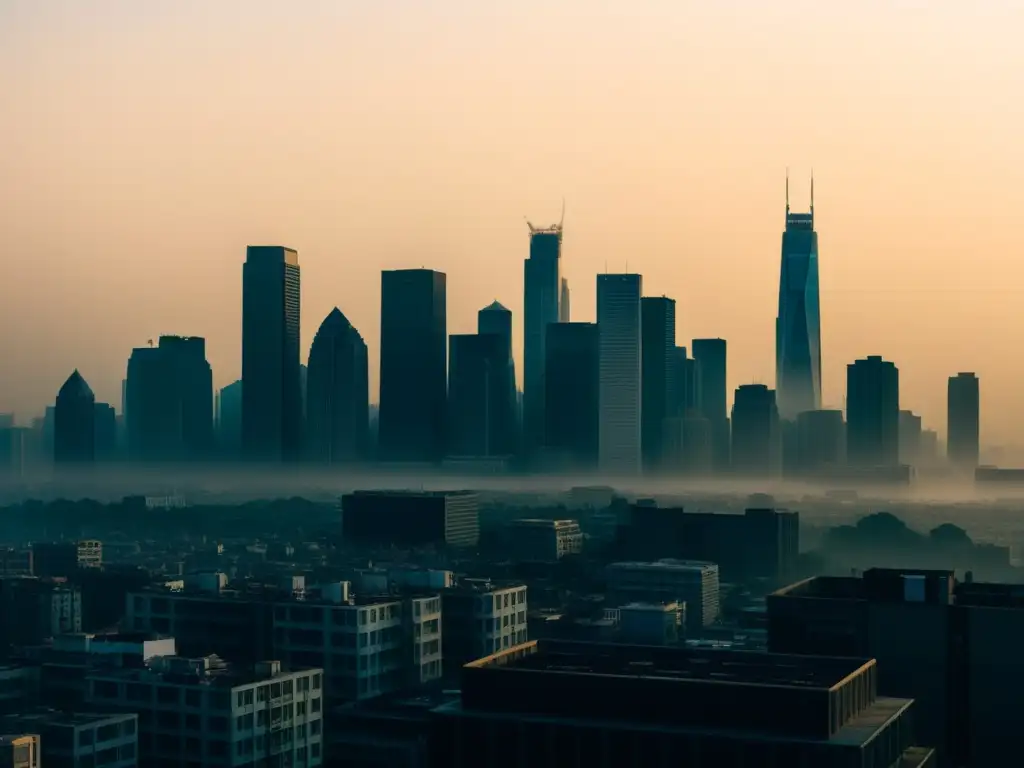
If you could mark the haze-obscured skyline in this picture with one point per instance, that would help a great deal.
(146, 144)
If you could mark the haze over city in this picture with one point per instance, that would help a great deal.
(148, 144)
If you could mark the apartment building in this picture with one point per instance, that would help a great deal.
(481, 617)
(81, 740)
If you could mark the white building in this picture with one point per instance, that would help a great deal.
(81, 740)
(203, 712)
(692, 582)
(482, 617)
(619, 390)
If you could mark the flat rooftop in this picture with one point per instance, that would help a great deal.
(219, 674)
(666, 564)
(60, 719)
(405, 494)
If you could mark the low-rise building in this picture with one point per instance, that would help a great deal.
(652, 623)
(411, 519)
(81, 740)
(481, 617)
(19, 751)
(692, 582)
(542, 541)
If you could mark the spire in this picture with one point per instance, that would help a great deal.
(812, 197)
(787, 190)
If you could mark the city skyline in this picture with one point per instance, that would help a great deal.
(108, 204)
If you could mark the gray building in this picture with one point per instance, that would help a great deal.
(619, 373)
(910, 435)
(658, 345)
(481, 617)
(872, 412)
(692, 582)
(572, 396)
(756, 437)
(74, 423)
(710, 356)
(272, 386)
(963, 419)
(81, 740)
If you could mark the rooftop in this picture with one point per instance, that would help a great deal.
(208, 670)
(54, 717)
(666, 564)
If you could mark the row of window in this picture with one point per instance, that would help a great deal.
(275, 715)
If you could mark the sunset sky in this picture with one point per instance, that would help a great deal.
(145, 143)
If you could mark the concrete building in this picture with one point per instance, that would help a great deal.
(543, 541)
(652, 623)
(553, 704)
(619, 373)
(20, 751)
(481, 617)
(74, 740)
(206, 712)
(952, 646)
(411, 518)
(693, 583)
(44, 608)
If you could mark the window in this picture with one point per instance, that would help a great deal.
(300, 708)
(316, 705)
(315, 727)
(167, 694)
(373, 614)
(104, 689)
(261, 718)
(193, 699)
(193, 723)
(362, 618)
(316, 682)
(275, 690)
(506, 599)
(286, 687)
(86, 736)
(261, 693)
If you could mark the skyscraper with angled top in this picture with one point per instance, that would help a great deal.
(798, 325)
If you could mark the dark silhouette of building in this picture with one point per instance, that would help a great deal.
(496, 319)
(798, 325)
(872, 413)
(909, 438)
(710, 357)
(411, 519)
(821, 441)
(74, 422)
(756, 438)
(272, 391)
(542, 287)
(229, 419)
(555, 703)
(952, 646)
(619, 372)
(571, 399)
(169, 401)
(962, 425)
(105, 432)
(481, 409)
(413, 365)
(564, 315)
(657, 345)
(337, 393)
(684, 393)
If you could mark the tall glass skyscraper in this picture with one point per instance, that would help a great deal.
(619, 372)
(962, 432)
(542, 294)
(798, 325)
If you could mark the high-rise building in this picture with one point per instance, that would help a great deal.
(756, 448)
(272, 392)
(571, 397)
(337, 393)
(74, 422)
(496, 319)
(962, 426)
(910, 438)
(619, 372)
(564, 315)
(481, 409)
(105, 435)
(658, 345)
(798, 325)
(229, 419)
(821, 441)
(169, 401)
(542, 292)
(413, 365)
(872, 413)
(710, 356)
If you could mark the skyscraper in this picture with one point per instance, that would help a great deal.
(710, 355)
(105, 432)
(413, 365)
(962, 425)
(542, 291)
(798, 325)
(872, 413)
(229, 420)
(619, 370)
(74, 427)
(481, 408)
(337, 393)
(272, 391)
(910, 438)
(497, 319)
(756, 448)
(658, 345)
(821, 441)
(564, 315)
(572, 399)
(169, 401)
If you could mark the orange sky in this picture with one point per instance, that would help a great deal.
(144, 144)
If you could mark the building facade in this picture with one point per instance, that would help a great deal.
(872, 413)
(658, 344)
(481, 388)
(411, 519)
(619, 373)
(542, 287)
(963, 420)
(572, 395)
(74, 423)
(756, 437)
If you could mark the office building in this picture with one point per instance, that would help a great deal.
(798, 324)
(481, 617)
(950, 645)
(80, 740)
(689, 444)
(692, 582)
(411, 519)
(756, 437)
(413, 365)
(710, 358)
(169, 401)
(531, 540)
(872, 413)
(337, 394)
(15, 443)
(572, 396)
(684, 396)
(652, 623)
(658, 345)
(45, 608)
(206, 711)
(229, 420)
(821, 441)
(552, 703)
(20, 751)
(619, 373)
(962, 424)
(74, 422)
(542, 288)
(272, 387)
(910, 435)
(481, 409)
(105, 437)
